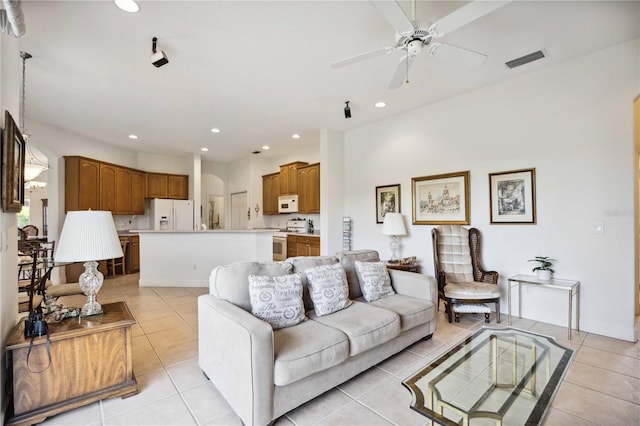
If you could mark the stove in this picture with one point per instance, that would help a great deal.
(298, 226)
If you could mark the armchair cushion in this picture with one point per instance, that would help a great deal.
(471, 290)
(455, 255)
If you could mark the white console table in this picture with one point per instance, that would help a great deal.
(570, 286)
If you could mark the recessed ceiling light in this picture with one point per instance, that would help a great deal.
(127, 5)
(215, 130)
(133, 137)
(380, 104)
(204, 149)
(265, 147)
(295, 136)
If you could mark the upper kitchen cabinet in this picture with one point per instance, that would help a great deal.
(289, 177)
(81, 184)
(270, 193)
(108, 187)
(309, 189)
(119, 191)
(138, 191)
(162, 185)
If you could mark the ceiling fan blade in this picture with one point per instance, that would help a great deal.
(456, 54)
(347, 61)
(400, 76)
(393, 13)
(466, 14)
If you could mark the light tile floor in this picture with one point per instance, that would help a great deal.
(602, 386)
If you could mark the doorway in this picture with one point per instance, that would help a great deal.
(239, 209)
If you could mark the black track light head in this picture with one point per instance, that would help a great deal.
(347, 110)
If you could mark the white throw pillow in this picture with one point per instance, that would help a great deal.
(374, 280)
(277, 300)
(328, 288)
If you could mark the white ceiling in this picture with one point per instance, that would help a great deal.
(260, 70)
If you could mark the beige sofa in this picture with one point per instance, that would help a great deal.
(264, 373)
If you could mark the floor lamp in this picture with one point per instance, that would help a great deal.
(88, 236)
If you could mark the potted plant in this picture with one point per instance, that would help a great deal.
(543, 270)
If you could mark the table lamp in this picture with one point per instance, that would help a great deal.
(394, 225)
(88, 236)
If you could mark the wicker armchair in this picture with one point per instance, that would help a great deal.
(463, 284)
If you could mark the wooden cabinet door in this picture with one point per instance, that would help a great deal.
(289, 177)
(313, 189)
(123, 191)
(89, 185)
(314, 249)
(284, 180)
(133, 254)
(107, 187)
(270, 193)
(137, 191)
(178, 187)
(156, 185)
(303, 193)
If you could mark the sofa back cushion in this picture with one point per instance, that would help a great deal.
(347, 259)
(231, 282)
(301, 264)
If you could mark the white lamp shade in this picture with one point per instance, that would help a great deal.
(88, 235)
(393, 224)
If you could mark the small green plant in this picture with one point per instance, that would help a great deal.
(544, 263)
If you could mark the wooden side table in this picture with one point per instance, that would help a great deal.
(412, 267)
(91, 359)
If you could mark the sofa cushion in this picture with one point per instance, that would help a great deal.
(306, 349)
(277, 300)
(301, 264)
(374, 280)
(412, 311)
(328, 288)
(231, 282)
(366, 325)
(347, 259)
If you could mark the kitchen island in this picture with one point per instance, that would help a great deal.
(186, 258)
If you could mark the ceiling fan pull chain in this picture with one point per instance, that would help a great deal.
(407, 81)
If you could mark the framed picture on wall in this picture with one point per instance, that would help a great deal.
(512, 197)
(387, 201)
(13, 151)
(441, 199)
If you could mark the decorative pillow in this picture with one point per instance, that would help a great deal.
(277, 300)
(374, 280)
(328, 288)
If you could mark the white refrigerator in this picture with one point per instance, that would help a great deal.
(171, 215)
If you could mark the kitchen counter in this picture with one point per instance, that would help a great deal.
(207, 231)
(186, 258)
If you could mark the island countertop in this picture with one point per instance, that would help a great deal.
(203, 231)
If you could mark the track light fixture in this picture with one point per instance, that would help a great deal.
(347, 110)
(158, 58)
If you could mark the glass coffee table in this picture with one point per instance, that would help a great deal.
(500, 376)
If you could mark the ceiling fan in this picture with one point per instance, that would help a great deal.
(412, 38)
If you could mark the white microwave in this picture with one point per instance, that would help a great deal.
(288, 204)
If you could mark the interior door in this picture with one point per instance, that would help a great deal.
(239, 208)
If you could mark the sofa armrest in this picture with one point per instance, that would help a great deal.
(415, 285)
(236, 353)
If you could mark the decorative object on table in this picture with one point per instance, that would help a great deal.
(543, 270)
(88, 236)
(387, 201)
(512, 197)
(441, 199)
(13, 151)
(411, 260)
(394, 225)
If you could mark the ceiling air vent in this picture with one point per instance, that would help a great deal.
(525, 59)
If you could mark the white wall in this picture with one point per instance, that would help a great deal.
(573, 123)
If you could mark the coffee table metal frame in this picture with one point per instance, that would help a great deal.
(570, 286)
(434, 404)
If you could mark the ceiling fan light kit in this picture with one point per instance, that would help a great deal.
(412, 38)
(347, 110)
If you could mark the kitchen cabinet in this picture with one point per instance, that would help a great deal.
(270, 193)
(162, 185)
(82, 181)
(138, 189)
(309, 189)
(108, 187)
(289, 177)
(303, 245)
(123, 191)
(133, 254)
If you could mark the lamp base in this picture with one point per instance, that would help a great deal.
(394, 246)
(90, 282)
